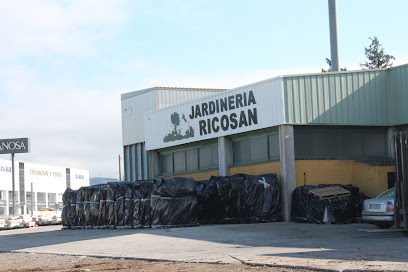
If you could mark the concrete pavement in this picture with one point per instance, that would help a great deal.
(329, 247)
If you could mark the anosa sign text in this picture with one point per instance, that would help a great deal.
(19, 145)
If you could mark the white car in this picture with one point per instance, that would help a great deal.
(380, 210)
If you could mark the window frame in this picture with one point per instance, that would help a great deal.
(173, 173)
(340, 132)
(247, 138)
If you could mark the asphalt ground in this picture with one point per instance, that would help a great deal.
(329, 247)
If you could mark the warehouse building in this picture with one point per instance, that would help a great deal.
(37, 186)
(331, 128)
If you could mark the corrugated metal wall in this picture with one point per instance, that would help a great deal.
(134, 106)
(399, 95)
(349, 98)
(133, 125)
(136, 162)
(167, 96)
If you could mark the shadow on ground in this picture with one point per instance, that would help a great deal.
(338, 242)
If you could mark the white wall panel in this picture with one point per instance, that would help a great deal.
(133, 109)
(5, 175)
(79, 178)
(136, 104)
(45, 178)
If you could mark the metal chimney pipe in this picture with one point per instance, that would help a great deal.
(333, 36)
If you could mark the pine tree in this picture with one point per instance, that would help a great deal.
(376, 56)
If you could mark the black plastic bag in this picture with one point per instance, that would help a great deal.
(129, 190)
(110, 191)
(136, 217)
(212, 205)
(168, 211)
(309, 208)
(120, 189)
(236, 204)
(119, 211)
(69, 197)
(110, 218)
(72, 219)
(103, 214)
(98, 192)
(128, 213)
(80, 213)
(94, 213)
(263, 202)
(81, 195)
(64, 216)
(239, 198)
(145, 212)
(136, 190)
(175, 187)
(87, 213)
(147, 187)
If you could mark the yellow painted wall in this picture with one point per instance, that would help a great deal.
(205, 175)
(372, 180)
(257, 169)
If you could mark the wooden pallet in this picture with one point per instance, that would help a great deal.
(330, 192)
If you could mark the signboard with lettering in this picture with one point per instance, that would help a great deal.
(19, 145)
(247, 108)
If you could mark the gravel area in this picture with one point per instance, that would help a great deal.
(50, 262)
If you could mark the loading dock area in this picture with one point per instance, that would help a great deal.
(329, 247)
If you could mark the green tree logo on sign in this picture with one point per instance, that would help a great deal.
(177, 132)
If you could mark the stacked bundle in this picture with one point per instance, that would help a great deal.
(174, 202)
(161, 202)
(239, 199)
(308, 207)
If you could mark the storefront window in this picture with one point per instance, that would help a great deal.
(41, 200)
(3, 195)
(256, 149)
(52, 198)
(339, 144)
(193, 159)
(10, 195)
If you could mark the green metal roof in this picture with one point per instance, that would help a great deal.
(368, 97)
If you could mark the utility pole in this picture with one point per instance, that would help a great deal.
(13, 183)
(333, 36)
(32, 199)
(120, 173)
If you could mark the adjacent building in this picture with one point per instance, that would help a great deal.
(36, 186)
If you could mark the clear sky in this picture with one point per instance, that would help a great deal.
(64, 64)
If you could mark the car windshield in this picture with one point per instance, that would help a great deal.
(388, 194)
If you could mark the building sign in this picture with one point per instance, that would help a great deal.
(236, 111)
(5, 169)
(45, 173)
(20, 145)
